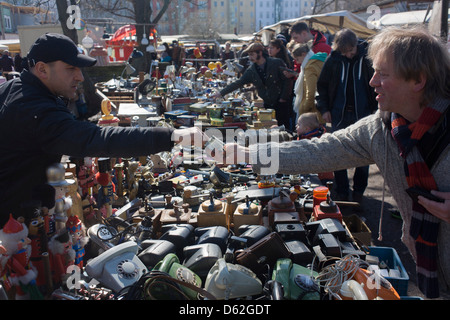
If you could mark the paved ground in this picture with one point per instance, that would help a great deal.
(371, 208)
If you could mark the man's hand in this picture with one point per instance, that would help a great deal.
(189, 137)
(440, 210)
(234, 154)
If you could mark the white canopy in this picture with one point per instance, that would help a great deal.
(408, 18)
(331, 22)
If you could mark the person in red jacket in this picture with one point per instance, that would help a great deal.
(301, 33)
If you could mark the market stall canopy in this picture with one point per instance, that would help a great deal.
(331, 22)
(12, 45)
(408, 18)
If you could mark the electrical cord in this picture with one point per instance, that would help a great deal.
(124, 234)
(331, 277)
(153, 283)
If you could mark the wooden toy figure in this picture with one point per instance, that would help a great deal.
(107, 119)
(90, 212)
(79, 238)
(106, 191)
(56, 178)
(132, 182)
(39, 245)
(16, 268)
(86, 177)
(62, 255)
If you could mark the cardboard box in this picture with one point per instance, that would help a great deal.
(359, 230)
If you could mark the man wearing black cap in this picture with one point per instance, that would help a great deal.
(36, 127)
(266, 74)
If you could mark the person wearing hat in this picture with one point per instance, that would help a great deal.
(266, 74)
(37, 129)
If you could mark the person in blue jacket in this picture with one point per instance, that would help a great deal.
(344, 96)
(37, 128)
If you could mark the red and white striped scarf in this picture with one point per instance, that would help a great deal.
(424, 226)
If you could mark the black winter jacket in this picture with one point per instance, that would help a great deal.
(37, 129)
(334, 72)
(275, 87)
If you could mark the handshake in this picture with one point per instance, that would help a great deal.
(231, 153)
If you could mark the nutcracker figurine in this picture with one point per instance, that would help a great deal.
(56, 174)
(61, 255)
(90, 211)
(106, 191)
(86, 177)
(16, 269)
(39, 242)
(79, 238)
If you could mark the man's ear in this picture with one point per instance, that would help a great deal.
(420, 82)
(41, 70)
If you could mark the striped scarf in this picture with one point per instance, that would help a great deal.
(424, 226)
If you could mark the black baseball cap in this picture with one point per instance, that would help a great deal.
(54, 46)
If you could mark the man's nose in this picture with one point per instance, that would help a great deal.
(79, 75)
(374, 81)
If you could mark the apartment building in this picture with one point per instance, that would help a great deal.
(229, 16)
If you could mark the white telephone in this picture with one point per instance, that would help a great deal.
(229, 281)
(118, 267)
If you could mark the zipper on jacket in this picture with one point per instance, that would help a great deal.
(354, 84)
(343, 77)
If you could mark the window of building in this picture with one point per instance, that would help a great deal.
(7, 20)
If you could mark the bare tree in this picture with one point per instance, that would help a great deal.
(93, 101)
(138, 12)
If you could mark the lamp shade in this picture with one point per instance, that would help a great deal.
(144, 40)
(87, 42)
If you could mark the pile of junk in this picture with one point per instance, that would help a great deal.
(179, 226)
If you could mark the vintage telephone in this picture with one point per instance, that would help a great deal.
(118, 267)
(375, 286)
(171, 265)
(102, 238)
(230, 281)
(298, 282)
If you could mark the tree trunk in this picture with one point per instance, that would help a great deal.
(143, 13)
(93, 101)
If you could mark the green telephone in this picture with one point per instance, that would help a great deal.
(298, 282)
(171, 264)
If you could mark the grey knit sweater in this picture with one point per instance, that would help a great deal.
(366, 142)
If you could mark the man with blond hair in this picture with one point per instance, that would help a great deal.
(407, 139)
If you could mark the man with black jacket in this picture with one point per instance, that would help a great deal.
(266, 74)
(37, 129)
(344, 97)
